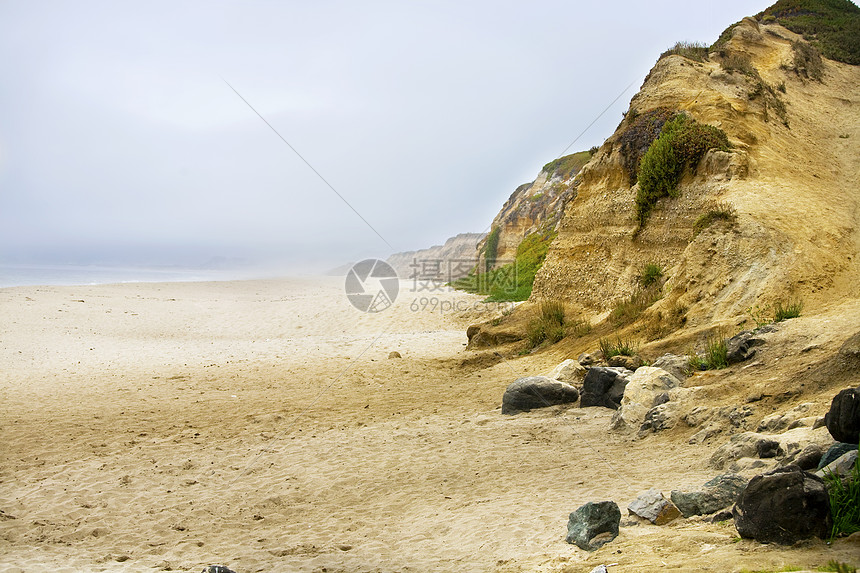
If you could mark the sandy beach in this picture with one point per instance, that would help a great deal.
(262, 425)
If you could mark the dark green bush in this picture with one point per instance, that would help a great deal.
(833, 26)
(651, 273)
(681, 144)
(491, 248)
(641, 132)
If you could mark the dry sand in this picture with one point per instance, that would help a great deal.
(262, 426)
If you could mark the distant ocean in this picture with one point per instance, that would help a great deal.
(32, 275)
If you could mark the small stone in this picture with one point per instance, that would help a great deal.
(394, 354)
(217, 569)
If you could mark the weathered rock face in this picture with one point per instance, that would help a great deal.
(569, 371)
(644, 391)
(716, 494)
(718, 273)
(439, 263)
(767, 449)
(536, 392)
(741, 347)
(677, 366)
(604, 387)
(843, 419)
(783, 506)
(594, 525)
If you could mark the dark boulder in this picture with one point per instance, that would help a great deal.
(594, 524)
(217, 569)
(783, 506)
(835, 452)
(742, 346)
(536, 392)
(843, 419)
(603, 387)
(809, 457)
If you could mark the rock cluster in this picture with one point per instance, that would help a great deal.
(536, 392)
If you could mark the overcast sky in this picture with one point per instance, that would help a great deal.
(120, 141)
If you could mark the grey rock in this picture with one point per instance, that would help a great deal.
(841, 466)
(716, 494)
(767, 448)
(851, 347)
(783, 506)
(677, 366)
(659, 418)
(628, 362)
(603, 387)
(593, 525)
(654, 507)
(843, 419)
(600, 569)
(639, 395)
(808, 457)
(835, 452)
(742, 346)
(536, 392)
(586, 359)
(779, 422)
(724, 515)
(569, 371)
(217, 569)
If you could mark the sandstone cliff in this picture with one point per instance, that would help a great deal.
(791, 178)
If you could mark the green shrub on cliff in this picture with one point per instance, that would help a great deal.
(833, 26)
(682, 143)
(512, 281)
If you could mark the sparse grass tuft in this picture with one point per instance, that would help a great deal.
(784, 311)
(567, 166)
(734, 62)
(834, 566)
(714, 357)
(716, 212)
(807, 61)
(844, 502)
(620, 347)
(549, 326)
(691, 50)
(650, 275)
(632, 307)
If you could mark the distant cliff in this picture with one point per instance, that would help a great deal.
(447, 262)
(535, 206)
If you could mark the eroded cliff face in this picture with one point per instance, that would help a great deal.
(535, 206)
(791, 177)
